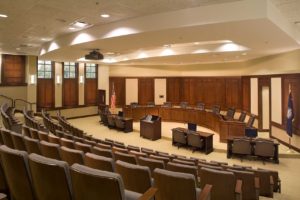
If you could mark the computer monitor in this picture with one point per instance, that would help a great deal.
(192, 127)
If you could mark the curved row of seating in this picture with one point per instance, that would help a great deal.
(69, 127)
(9, 120)
(32, 122)
(51, 179)
(49, 123)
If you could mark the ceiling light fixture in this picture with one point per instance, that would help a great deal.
(80, 24)
(244, 54)
(3, 15)
(71, 28)
(105, 15)
(196, 43)
(167, 45)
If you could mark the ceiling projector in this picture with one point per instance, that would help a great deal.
(94, 55)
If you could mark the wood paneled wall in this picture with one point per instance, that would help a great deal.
(294, 81)
(223, 91)
(13, 70)
(45, 93)
(145, 90)
(246, 88)
(90, 92)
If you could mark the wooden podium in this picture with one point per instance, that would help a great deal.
(150, 127)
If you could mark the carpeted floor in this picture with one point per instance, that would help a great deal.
(289, 170)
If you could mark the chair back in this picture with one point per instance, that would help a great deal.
(136, 178)
(174, 185)
(119, 122)
(83, 147)
(242, 116)
(99, 162)
(218, 179)
(18, 141)
(230, 113)
(216, 109)
(71, 156)
(15, 167)
(151, 163)
(67, 143)
(111, 120)
(194, 140)
(103, 152)
(6, 137)
(32, 145)
(50, 150)
(250, 121)
(178, 137)
(133, 148)
(86, 182)
(179, 161)
(200, 106)
(125, 157)
(241, 146)
(176, 167)
(266, 182)
(53, 139)
(164, 159)
(43, 136)
(50, 177)
(264, 148)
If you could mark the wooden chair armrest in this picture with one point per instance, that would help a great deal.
(256, 182)
(238, 186)
(205, 193)
(149, 194)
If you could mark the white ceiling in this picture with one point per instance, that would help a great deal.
(32, 23)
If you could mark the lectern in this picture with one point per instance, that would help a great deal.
(150, 127)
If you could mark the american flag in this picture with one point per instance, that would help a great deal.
(113, 98)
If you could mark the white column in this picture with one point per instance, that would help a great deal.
(81, 75)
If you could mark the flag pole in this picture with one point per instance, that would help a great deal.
(290, 150)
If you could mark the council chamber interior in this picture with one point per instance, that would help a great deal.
(165, 100)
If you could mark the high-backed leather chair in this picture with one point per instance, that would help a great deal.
(32, 145)
(224, 184)
(86, 182)
(67, 143)
(82, 147)
(111, 121)
(250, 121)
(125, 157)
(120, 124)
(50, 150)
(6, 137)
(176, 167)
(264, 148)
(242, 116)
(136, 178)
(167, 105)
(50, 178)
(134, 104)
(183, 104)
(150, 104)
(241, 146)
(216, 109)
(194, 141)
(178, 138)
(178, 186)
(103, 152)
(200, 106)
(18, 141)
(250, 187)
(99, 162)
(266, 182)
(151, 163)
(71, 156)
(230, 113)
(15, 168)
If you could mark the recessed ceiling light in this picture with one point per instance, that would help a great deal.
(71, 28)
(105, 15)
(3, 16)
(80, 24)
(167, 45)
(45, 39)
(196, 43)
(244, 54)
(18, 48)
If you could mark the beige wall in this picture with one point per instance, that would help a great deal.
(265, 108)
(131, 90)
(81, 85)
(103, 80)
(276, 100)
(160, 89)
(77, 112)
(31, 65)
(254, 95)
(58, 86)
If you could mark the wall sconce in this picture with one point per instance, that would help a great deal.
(32, 79)
(81, 79)
(58, 80)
